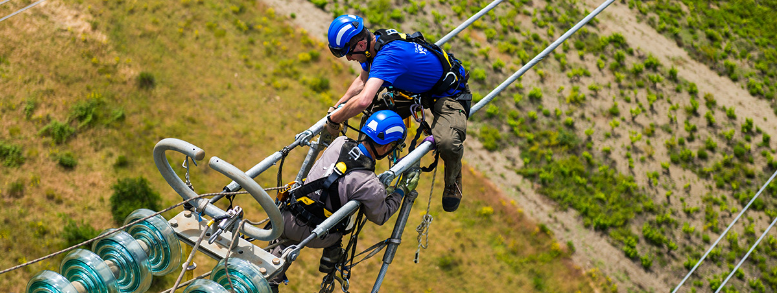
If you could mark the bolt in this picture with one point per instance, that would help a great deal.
(263, 271)
(187, 213)
(174, 223)
(276, 261)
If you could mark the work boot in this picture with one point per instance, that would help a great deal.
(330, 257)
(451, 196)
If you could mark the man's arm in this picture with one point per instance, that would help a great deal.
(356, 87)
(358, 103)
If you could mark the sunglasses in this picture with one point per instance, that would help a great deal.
(345, 50)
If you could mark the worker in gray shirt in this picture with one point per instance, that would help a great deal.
(345, 172)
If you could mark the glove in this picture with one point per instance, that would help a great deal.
(331, 109)
(332, 128)
(411, 178)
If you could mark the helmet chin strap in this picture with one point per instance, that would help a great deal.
(366, 52)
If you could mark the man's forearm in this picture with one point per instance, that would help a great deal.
(354, 89)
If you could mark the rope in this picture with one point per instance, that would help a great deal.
(188, 282)
(1, 3)
(232, 245)
(724, 233)
(191, 256)
(426, 222)
(20, 10)
(125, 226)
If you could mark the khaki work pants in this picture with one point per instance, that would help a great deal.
(449, 129)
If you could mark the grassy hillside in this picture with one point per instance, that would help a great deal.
(614, 132)
(88, 88)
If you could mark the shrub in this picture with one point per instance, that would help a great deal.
(710, 118)
(478, 74)
(485, 211)
(489, 136)
(535, 94)
(673, 73)
(614, 110)
(318, 84)
(59, 131)
(569, 122)
(702, 154)
(146, 80)
(646, 261)
(748, 126)
(11, 155)
(498, 64)
(74, 234)
(730, 113)
(492, 111)
(710, 144)
(130, 194)
(29, 107)
(692, 89)
(16, 190)
(121, 162)
(86, 112)
(67, 160)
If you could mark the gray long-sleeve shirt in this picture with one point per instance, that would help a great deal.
(360, 185)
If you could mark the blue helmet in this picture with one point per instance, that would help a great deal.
(341, 31)
(385, 127)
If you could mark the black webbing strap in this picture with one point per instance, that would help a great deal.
(423, 127)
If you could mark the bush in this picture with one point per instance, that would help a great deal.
(121, 162)
(67, 160)
(318, 84)
(535, 94)
(74, 234)
(646, 261)
(478, 74)
(489, 136)
(146, 80)
(59, 131)
(17, 188)
(11, 155)
(86, 112)
(130, 194)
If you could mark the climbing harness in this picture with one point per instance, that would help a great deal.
(451, 77)
(313, 212)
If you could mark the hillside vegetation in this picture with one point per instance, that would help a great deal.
(614, 132)
(88, 87)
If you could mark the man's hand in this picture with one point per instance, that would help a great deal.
(332, 128)
(411, 178)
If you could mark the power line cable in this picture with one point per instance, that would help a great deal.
(20, 10)
(746, 255)
(724, 233)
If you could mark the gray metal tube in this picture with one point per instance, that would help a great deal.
(256, 170)
(271, 160)
(539, 57)
(346, 210)
(391, 249)
(379, 280)
(264, 199)
(186, 193)
(315, 148)
(407, 162)
(467, 23)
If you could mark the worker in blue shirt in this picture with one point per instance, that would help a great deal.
(411, 65)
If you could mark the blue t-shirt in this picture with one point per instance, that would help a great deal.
(407, 66)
